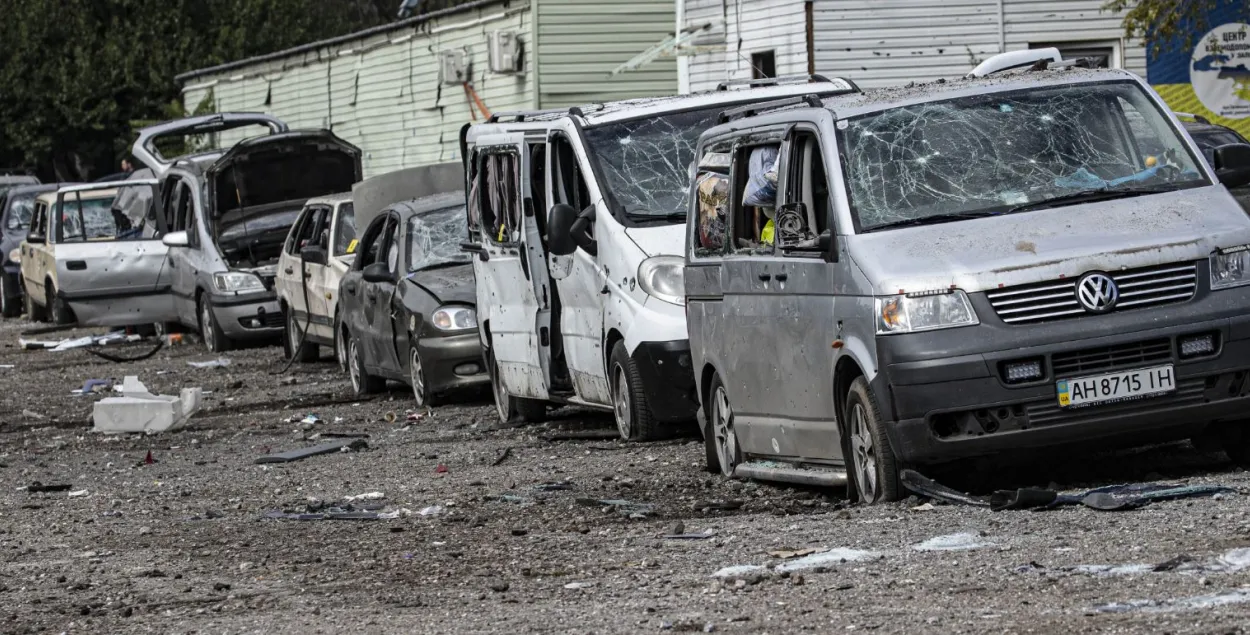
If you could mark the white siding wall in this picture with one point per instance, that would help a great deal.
(382, 92)
(750, 26)
(889, 42)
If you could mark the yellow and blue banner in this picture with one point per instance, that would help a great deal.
(1208, 74)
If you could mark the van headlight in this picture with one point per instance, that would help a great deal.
(1230, 267)
(454, 318)
(924, 312)
(237, 281)
(663, 278)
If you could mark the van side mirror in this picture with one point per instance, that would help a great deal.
(568, 230)
(36, 239)
(1232, 164)
(377, 272)
(175, 239)
(313, 255)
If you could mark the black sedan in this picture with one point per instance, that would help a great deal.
(408, 302)
(1210, 136)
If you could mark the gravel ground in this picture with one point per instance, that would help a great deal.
(181, 545)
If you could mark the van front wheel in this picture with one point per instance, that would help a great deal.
(629, 399)
(511, 409)
(871, 465)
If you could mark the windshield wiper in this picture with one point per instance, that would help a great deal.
(439, 265)
(671, 216)
(931, 220)
(1092, 196)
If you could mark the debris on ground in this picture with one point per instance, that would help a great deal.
(626, 508)
(94, 386)
(723, 506)
(703, 535)
(38, 487)
(440, 469)
(787, 554)
(581, 435)
(1224, 598)
(432, 510)
(79, 494)
(927, 487)
(368, 496)
(953, 542)
(220, 362)
(140, 411)
(31, 414)
(827, 558)
(303, 453)
(503, 456)
(1109, 498)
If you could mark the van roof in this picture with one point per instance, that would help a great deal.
(331, 199)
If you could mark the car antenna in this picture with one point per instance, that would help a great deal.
(247, 236)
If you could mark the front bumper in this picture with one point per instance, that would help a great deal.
(668, 378)
(959, 404)
(252, 316)
(453, 362)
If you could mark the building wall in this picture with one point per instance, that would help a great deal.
(580, 42)
(880, 43)
(382, 92)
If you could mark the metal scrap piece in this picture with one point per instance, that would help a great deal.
(303, 453)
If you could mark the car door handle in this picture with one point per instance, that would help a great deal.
(76, 265)
(765, 277)
(782, 277)
(289, 271)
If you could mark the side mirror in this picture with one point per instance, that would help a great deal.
(313, 255)
(35, 239)
(1232, 164)
(568, 230)
(175, 239)
(377, 272)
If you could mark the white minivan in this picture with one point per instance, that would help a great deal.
(577, 218)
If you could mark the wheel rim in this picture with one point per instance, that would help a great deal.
(206, 327)
(292, 333)
(418, 377)
(501, 395)
(723, 431)
(353, 364)
(863, 455)
(620, 403)
(340, 348)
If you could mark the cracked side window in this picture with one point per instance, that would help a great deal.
(496, 197)
(711, 186)
(1009, 151)
(755, 198)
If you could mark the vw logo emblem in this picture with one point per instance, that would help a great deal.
(1097, 292)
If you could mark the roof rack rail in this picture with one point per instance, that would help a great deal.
(1197, 118)
(518, 116)
(1015, 59)
(106, 185)
(787, 79)
(811, 100)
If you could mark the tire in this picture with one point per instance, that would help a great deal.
(34, 312)
(721, 443)
(417, 379)
(303, 352)
(58, 310)
(872, 468)
(512, 409)
(214, 340)
(629, 399)
(8, 305)
(1234, 440)
(340, 343)
(362, 382)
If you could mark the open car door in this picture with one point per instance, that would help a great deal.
(147, 147)
(512, 284)
(111, 266)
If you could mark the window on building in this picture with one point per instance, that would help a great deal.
(763, 65)
(1102, 52)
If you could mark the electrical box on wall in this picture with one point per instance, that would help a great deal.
(505, 52)
(454, 66)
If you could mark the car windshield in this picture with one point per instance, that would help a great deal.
(646, 161)
(345, 230)
(20, 210)
(434, 239)
(93, 219)
(1010, 151)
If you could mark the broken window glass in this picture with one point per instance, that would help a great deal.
(94, 219)
(992, 153)
(345, 230)
(434, 239)
(646, 161)
(20, 211)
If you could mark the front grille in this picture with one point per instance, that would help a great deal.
(1139, 288)
(273, 320)
(1110, 358)
(1188, 392)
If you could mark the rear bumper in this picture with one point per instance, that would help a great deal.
(453, 362)
(253, 316)
(668, 378)
(961, 406)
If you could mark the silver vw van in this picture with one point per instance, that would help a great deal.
(907, 276)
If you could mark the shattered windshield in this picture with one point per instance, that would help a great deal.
(20, 211)
(434, 239)
(646, 162)
(1010, 151)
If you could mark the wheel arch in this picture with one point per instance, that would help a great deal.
(845, 372)
(609, 342)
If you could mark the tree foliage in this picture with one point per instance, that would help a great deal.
(1165, 23)
(75, 74)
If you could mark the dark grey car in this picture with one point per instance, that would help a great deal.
(1210, 136)
(408, 302)
(16, 206)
